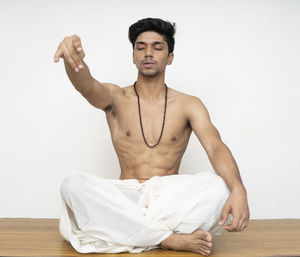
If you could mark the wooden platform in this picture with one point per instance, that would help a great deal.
(40, 237)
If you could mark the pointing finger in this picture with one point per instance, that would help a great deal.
(57, 55)
(69, 58)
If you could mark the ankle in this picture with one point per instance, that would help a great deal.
(174, 242)
(165, 243)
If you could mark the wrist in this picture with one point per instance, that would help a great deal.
(238, 188)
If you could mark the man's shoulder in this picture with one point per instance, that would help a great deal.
(190, 105)
(186, 99)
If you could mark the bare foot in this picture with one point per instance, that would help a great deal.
(198, 242)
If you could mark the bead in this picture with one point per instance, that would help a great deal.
(163, 125)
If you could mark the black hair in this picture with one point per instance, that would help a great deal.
(164, 28)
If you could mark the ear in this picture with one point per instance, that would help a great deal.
(170, 58)
(133, 57)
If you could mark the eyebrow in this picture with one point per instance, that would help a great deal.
(154, 43)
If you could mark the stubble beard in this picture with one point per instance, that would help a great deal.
(149, 74)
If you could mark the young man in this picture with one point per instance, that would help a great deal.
(151, 205)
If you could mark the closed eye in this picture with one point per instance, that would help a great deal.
(154, 48)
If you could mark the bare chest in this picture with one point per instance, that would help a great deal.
(152, 121)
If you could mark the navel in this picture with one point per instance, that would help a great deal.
(128, 133)
(173, 138)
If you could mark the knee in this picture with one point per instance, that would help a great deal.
(222, 191)
(71, 184)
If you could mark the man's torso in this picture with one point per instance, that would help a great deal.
(136, 159)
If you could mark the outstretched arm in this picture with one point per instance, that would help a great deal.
(222, 161)
(100, 95)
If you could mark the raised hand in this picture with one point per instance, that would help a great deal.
(70, 49)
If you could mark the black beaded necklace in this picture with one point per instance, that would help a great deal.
(163, 125)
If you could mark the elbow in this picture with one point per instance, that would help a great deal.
(215, 148)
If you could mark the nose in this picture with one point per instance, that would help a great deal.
(149, 51)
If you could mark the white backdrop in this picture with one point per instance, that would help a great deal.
(241, 58)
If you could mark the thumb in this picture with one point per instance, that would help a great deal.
(224, 216)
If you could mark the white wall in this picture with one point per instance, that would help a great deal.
(241, 58)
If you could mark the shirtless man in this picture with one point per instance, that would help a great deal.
(158, 141)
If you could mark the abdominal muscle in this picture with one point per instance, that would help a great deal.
(138, 161)
(162, 161)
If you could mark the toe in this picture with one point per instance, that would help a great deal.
(206, 246)
(208, 237)
(205, 252)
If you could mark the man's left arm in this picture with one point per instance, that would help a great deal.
(223, 163)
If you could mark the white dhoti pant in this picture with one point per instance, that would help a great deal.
(112, 216)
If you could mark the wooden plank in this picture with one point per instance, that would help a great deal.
(40, 237)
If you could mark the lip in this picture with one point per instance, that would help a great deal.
(148, 64)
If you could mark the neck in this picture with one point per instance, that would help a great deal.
(151, 88)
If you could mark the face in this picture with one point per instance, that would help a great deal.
(150, 54)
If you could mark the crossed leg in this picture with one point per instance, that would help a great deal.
(196, 230)
(185, 214)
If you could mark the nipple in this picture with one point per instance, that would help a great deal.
(128, 133)
(173, 138)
